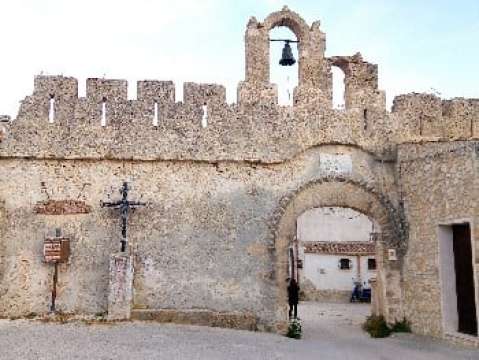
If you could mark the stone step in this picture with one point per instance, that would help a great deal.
(201, 317)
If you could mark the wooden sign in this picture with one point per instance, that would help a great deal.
(56, 250)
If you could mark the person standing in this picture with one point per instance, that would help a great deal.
(293, 298)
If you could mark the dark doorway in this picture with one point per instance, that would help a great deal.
(466, 298)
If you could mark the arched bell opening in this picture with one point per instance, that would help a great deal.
(309, 56)
(283, 59)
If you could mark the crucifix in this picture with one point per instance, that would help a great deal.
(124, 205)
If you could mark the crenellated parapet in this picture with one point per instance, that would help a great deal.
(461, 118)
(53, 122)
(418, 115)
(106, 124)
(428, 117)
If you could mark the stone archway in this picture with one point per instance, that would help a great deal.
(339, 192)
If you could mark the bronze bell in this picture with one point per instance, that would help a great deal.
(287, 58)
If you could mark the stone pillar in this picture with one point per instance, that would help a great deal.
(374, 297)
(120, 290)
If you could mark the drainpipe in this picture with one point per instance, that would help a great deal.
(358, 258)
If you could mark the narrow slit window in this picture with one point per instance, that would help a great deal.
(51, 110)
(155, 114)
(204, 119)
(103, 112)
(339, 89)
(365, 119)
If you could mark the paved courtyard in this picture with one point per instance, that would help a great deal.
(331, 331)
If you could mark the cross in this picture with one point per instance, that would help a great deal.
(124, 205)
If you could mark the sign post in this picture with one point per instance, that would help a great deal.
(56, 250)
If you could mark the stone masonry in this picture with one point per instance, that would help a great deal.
(223, 199)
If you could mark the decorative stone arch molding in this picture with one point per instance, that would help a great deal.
(313, 68)
(339, 192)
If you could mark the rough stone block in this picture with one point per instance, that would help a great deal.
(60, 87)
(252, 94)
(110, 90)
(200, 94)
(120, 290)
(159, 91)
(460, 116)
(306, 95)
(421, 114)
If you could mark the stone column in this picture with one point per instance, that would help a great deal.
(374, 297)
(120, 290)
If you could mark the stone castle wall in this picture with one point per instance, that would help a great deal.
(223, 196)
(204, 241)
(440, 186)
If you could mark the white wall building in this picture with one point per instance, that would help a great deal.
(336, 249)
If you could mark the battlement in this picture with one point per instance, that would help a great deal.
(102, 90)
(162, 92)
(427, 115)
(106, 124)
(59, 87)
(55, 122)
(65, 89)
(462, 117)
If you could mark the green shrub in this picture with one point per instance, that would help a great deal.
(377, 327)
(294, 329)
(402, 326)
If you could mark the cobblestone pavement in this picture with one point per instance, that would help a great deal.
(331, 331)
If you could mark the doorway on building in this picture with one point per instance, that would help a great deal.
(457, 279)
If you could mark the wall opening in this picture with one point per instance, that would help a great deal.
(365, 119)
(285, 77)
(155, 114)
(337, 249)
(457, 279)
(204, 117)
(338, 88)
(51, 109)
(103, 112)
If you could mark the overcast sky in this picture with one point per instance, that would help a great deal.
(428, 45)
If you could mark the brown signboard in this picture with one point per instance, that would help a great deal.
(56, 249)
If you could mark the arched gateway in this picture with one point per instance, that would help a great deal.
(340, 192)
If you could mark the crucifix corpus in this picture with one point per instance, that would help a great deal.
(124, 205)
